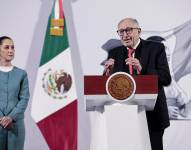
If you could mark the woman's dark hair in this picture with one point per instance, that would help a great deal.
(3, 38)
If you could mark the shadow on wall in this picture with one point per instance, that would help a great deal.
(32, 131)
(83, 116)
(108, 45)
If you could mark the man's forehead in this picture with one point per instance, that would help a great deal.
(126, 23)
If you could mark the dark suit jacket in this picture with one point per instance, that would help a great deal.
(152, 57)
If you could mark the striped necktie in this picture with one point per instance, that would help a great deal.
(130, 55)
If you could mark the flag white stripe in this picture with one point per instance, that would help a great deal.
(41, 99)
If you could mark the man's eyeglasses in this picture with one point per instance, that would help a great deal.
(127, 31)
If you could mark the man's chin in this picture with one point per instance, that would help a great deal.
(127, 44)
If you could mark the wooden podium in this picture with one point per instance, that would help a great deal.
(120, 126)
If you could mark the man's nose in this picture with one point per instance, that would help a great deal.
(125, 33)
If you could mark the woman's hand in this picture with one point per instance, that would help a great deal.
(6, 121)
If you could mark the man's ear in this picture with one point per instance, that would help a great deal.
(139, 30)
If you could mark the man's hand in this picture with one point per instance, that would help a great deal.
(186, 110)
(6, 121)
(173, 112)
(108, 66)
(135, 63)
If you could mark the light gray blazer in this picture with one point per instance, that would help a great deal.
(14, 93)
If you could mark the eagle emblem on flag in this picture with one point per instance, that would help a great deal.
(56, 83)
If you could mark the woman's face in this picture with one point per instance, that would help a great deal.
(7, 50)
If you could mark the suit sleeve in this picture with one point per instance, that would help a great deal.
(23, 99)
(161, 66)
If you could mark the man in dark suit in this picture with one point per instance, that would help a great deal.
(149, 58)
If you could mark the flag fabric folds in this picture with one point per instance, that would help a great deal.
(178, 41)
(181, 63)
(54, 104)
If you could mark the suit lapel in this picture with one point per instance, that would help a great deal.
(141, 53)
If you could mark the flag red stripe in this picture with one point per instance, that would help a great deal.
(61, 12)
(60, 128)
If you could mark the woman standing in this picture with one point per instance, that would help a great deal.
(14, 96)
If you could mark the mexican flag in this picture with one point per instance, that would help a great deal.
(54, 104)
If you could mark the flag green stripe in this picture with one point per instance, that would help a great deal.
(53, 45)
